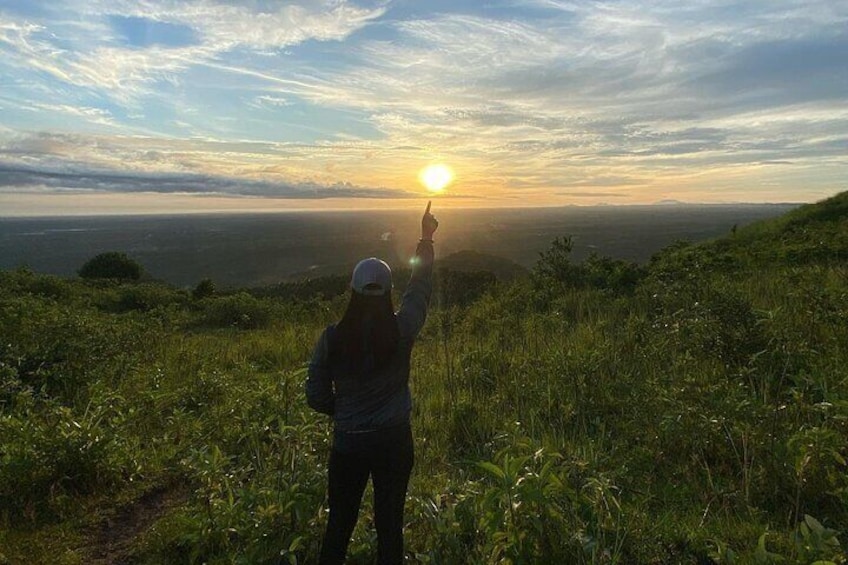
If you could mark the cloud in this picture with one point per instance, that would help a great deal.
(253, 24)
(122, 182)
(522, 97)
(612, 80)
(781, 72)
(273, 101)
(93, 115)
(128, 71)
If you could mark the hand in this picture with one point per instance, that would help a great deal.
(428, 223)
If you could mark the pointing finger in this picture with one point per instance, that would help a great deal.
(427, 211)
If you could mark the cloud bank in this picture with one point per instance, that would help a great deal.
(105, 181)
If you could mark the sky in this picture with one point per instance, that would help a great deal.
(116, 106)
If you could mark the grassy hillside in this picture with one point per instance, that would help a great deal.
(694, 411)
(811, 234)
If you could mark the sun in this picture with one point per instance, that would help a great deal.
(436, 177)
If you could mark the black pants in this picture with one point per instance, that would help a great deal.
(387, 457)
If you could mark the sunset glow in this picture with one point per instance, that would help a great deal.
(307, 104)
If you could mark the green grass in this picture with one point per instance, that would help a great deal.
(698, 416)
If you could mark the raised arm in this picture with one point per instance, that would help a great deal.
(413, 309)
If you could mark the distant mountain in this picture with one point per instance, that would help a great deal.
(669, 202)
(471, 261)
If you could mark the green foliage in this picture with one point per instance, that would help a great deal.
(467, 431)
(616, 276)
(476, 262)
(54, 350)
(239, 310)
(324, 288)
(810, 235)
(537, 509)
(554, 266)
(816, 543)
(691, 411)
(461, 288)
(148, 296)
(50, 455)
(111, 265)
(204, 289)
(554, 272)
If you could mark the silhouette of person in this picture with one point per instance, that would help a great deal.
(359, 374)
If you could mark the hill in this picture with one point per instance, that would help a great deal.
(812, 233)
(689, 411)
(464, 276)
(471, 261)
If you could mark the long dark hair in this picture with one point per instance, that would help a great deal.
(366, 338)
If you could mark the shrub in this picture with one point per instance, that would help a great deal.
(146, 297)
(58, 351)
(238, 310)
(324, 288)
(111, 265)
(613, 275)
(50, 286)
(204, 289)
(554, 271)
(51, 454)
(461, 288)
(555, 266)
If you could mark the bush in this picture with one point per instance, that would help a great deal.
(111, 265)
(57, 351)
(238, 310)
(50, 454)
(555, 267)
(204, 289)
(461, 288)
(612, 275)
(324, 288)
(554, 271)
(145, 297)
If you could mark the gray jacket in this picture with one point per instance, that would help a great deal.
(381, 400)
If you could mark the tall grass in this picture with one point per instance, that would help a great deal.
(694, 418)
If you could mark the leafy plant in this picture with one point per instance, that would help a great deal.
(111, 265)
(239, 310)
(816, 543)
(204, 289)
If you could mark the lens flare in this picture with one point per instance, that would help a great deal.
(435, 177)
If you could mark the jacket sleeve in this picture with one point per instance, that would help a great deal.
(413, 308)
(319, 384)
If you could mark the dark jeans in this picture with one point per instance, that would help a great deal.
(387, 457)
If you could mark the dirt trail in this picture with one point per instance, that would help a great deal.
(112, 540)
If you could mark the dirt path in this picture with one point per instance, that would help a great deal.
(112, 541)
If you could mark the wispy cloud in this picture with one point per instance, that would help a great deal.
(526, 98)
(87, 52)
(264, 25)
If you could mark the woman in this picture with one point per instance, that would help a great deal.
(359, 374)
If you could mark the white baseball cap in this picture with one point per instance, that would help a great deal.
(371, 277)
